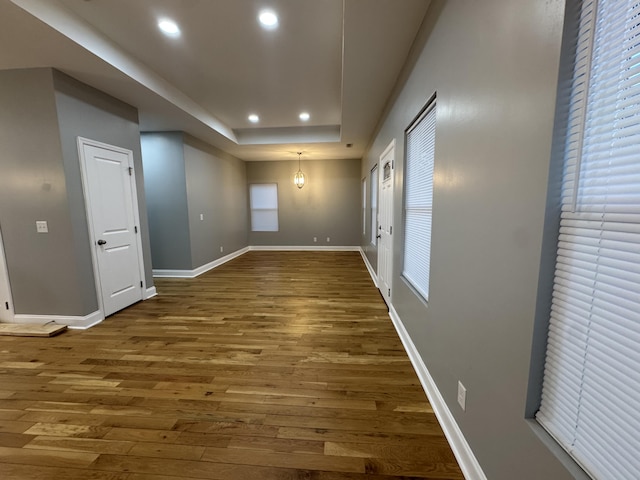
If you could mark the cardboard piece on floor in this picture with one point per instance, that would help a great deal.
(30, 330)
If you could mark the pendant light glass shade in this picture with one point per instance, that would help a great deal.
(298, 179)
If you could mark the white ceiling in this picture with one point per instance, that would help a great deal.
(336, 59)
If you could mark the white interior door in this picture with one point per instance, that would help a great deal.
(109, 187)
(385, 223)
(6, 301)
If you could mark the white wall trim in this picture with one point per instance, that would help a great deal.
(372, 272)
(461, 449)
(166, 273)
(305, 248)
(149, 292)
(73, 322)
(201, 269)
(6, 314)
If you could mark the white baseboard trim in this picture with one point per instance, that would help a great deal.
(165, 273)
(461, 449)
(72, 322)
(200, 270)
(305, 248)
(149, 292)
(374, 277)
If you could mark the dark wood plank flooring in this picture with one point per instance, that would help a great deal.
(276, 365)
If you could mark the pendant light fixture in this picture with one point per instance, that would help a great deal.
(298, 179)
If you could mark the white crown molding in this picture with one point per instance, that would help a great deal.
(71, 26)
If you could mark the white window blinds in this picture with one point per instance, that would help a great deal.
(418, 201)
(264, 207)
(364, 206)
(374, 205)
(591, 390)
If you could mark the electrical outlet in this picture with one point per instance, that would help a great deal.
(41, 226)
(315, 239)
(462, 396)
(328, 239)
(202, 216)
(221, 249)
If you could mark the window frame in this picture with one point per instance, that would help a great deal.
(255, 210)
(364, 207)
(415, 275)
(576, 208)
(373, 196)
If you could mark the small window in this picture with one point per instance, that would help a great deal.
(386, 171)
(364, 206)
(264, 207)
(418, 200)
(374, 205)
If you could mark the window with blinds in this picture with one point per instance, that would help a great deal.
(364, 206)
(374, 205)
(591, 390)
(263, 198)
(418, 200)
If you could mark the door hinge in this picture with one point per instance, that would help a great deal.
(6, 305)
(390, 230)
(130, 171)
(135, 229)
(141, 283)
(389, 292)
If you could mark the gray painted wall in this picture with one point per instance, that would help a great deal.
(494, 66)
(216, 189)
(166, 196)
(185, 178)
(44, 271)
(327, 206)
(42, 111)
(86, 112)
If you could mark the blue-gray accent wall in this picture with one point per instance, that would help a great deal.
(196, 196)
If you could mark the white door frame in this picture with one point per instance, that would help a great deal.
(5, 287)
(390, 150)
(87, 199)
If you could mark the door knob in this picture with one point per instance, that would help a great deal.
(102, 242)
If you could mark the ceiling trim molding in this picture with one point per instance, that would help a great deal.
(72, 27)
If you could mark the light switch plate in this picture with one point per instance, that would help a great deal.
(41, 226)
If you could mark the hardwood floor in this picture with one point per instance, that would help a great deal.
(274, 366)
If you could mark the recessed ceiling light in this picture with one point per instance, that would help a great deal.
(304, 116)
(268, 19)
(169, 27)
(253, 118)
